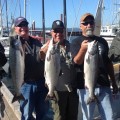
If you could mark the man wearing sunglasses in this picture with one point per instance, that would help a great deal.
(33, 89)
(66, 105)
(102, 90)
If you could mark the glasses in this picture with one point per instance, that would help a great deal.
(22, 25)
(58, 31)
(86, 23)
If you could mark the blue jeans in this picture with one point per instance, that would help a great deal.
(34, 94)
(104, 107)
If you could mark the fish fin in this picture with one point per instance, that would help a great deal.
(16, 97)
(92, 99)
(49, 57)
(21, 51)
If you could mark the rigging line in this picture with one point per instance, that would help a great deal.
(9, 6)
(75, 20)
(3, 5)
(30, 12)
(20, 7)
(15, 8)
(10, 3)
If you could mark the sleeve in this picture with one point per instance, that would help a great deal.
(75, 46)
(105, 54)
(3, 58)
(114, 51)
(38, 45)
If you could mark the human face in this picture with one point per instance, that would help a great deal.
(58, 35)
(22, 30)
(87, 27)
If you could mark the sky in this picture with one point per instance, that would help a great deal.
(53, 10)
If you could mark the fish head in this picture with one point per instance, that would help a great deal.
(93, 47)
(14, 42)
(55, 48)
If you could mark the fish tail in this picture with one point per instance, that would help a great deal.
(49, 97)
(92, 99)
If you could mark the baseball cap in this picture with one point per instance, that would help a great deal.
(85, 16)
(57, 24)
(19, 20)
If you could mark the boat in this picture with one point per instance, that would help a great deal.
(109, 31)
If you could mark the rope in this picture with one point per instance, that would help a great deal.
(15, 8)
(75, 19)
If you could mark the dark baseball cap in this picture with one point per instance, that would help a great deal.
(19, 20)
(57, 24)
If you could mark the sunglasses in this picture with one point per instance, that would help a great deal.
(86, 23)
(22, 25)
(58, 31)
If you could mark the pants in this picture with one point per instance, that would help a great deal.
(66, 106)
(34, 94)
(104, 107)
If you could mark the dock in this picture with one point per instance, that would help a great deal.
(8, 110)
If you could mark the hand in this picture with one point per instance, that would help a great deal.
(115, 88)
(43, 50)
(84, 46)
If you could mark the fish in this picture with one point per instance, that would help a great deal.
(17, 66)
(91, 69)
(52, 68)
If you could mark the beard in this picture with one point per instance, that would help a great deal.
(89, 32)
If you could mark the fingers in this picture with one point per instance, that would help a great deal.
(84, 45)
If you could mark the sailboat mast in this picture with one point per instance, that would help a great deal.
(1, 27)
(7, 16)
(25, 8)
(43, 20)
(65, 18)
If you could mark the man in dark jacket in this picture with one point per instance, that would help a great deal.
(114, 51)
(3, 60)
(114, 54)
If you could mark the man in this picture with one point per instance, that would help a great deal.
(102, 90)
(66, 105)
(33, 88)
(3, 61)
(114, 52)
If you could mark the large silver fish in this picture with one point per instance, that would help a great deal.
(52, 68)
(91, 62)
(16, 62)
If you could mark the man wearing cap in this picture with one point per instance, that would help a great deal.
(102, 90)
(66, 105)
(33, 88)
